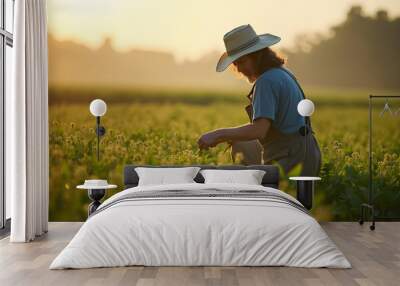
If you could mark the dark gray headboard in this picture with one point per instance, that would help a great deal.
(270, 179)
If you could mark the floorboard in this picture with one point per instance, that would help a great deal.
(374, 255)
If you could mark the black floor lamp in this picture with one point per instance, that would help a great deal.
(98, 108)
(305, 185)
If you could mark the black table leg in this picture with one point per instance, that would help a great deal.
(305, 193)
(95, 195)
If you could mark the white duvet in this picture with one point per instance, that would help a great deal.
(200, 231)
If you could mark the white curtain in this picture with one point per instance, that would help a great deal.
(27, 148)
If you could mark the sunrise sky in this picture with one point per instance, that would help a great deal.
(187, 28)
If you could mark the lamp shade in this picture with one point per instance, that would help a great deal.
(305, 107)
(98, 107)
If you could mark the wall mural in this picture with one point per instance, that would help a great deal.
(162, 93)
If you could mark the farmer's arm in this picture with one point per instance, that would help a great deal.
(265, 106)
(256, 130)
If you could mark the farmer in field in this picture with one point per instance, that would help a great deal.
(275, 133)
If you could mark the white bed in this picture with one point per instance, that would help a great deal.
(206, 230)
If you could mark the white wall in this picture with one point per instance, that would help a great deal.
(8, 128)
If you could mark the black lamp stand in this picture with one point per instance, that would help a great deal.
(96, 195)
(100, 131)
(305, 185)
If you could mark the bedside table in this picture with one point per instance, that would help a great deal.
(96, 190)
(305, 190)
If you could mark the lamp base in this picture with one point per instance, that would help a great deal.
(95, 195)
(305, 193)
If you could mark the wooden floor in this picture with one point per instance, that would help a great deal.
(375, 257)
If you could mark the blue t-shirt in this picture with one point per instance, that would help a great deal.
(276, 96)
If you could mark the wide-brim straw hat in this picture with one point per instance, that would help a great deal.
(241, 41)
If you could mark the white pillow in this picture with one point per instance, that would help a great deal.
(249, 177)
(162, 176)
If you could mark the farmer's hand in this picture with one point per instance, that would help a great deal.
(209, 139)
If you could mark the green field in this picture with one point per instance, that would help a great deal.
(159, 127)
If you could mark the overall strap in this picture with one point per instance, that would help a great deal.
(307, 119)
(251, 92)
(295, 79)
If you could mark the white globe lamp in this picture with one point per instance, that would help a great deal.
(98, 107)
(306, 107)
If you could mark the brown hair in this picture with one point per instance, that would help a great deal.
(264, 59)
